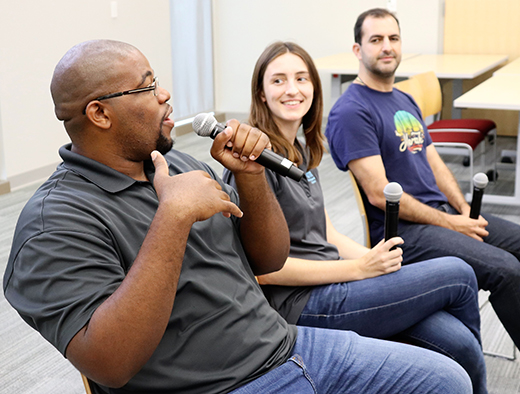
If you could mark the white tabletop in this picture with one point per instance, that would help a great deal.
(501, 91)
(445, 66)
(511, 68)
(450, 66)
(340, 63)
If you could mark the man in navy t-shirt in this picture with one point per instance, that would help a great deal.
(377, 132)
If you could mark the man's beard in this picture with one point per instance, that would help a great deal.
(383, 74)
(164, 144)
(377, 71)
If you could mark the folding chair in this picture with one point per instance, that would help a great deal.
(86, 384)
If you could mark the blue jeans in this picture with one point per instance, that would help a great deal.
(340, 362)
(432, 304)
(495, 261)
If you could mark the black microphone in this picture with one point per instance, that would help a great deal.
(480, 182)
(393, 192)
(206, 125)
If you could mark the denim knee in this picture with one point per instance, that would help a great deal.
(457, 269)
(450, 377)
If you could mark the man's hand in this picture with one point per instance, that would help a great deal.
(238, 146)
(192, 195)
(474, 228)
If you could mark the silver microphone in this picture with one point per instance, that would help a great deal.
(206, 125)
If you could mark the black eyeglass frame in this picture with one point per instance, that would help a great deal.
(154, 85)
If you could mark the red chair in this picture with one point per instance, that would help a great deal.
(450, 136)
(469, 131)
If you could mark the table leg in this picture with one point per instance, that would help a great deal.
(517, 164)
(508, 200)
(335, 87)
(456, 113)
(336, 81)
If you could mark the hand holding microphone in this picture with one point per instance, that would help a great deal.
(206, 125)
(480, 182)
(393, 192)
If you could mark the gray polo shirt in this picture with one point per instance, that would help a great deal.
(304, 209)
(78, 236)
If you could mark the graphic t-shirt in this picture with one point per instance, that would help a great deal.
(365, 122)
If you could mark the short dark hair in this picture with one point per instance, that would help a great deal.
(375, 13)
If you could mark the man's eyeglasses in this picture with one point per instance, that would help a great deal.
(154, 86)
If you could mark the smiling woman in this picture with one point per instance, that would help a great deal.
(329, 280)
(286, 70)
(288, 92)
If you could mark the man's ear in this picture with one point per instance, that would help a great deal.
(356, 49)
(99, 114)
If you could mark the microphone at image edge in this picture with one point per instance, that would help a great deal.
(480, 182)
(393, 192)
(206, 125)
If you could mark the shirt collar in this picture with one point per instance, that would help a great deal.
(99, 174)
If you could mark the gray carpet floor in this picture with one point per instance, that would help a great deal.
(28, 364)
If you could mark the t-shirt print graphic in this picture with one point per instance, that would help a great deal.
(410, 130)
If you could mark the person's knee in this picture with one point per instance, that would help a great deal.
(465, 346)
(503, 277)
(447, 376)
(435, 373)
(456, 382)
(456, 270)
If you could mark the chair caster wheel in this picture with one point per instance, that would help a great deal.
(492, 175)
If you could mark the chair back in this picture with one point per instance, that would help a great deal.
(86, 384)
(412, 87)
(361, 208)
(431, 93)
(425, 90)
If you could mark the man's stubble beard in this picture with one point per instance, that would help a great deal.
(164, 144)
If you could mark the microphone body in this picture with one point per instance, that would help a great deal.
(393, 192)
(206, 125)
(480, 182)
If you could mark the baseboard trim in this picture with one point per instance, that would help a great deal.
(5, 186)
(33, 176)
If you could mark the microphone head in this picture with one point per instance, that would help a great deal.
(480, 180)
(203, 124)
(393, 192)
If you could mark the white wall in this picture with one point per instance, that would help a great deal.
(243, 28)
(34, 35)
